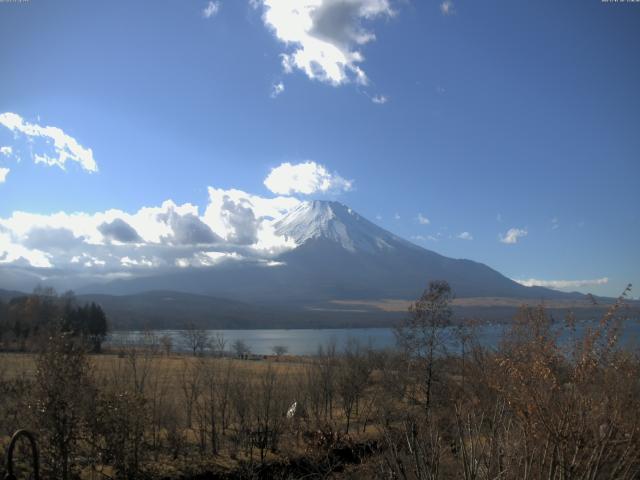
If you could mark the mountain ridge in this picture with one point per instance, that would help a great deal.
(338, 255)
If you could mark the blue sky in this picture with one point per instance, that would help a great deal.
(489, 116)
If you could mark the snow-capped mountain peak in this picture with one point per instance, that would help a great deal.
(335, 222)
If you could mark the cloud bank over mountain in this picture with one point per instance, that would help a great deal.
(233, 226)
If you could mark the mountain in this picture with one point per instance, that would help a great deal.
(171, 309)
(174, 310)
(339, 255)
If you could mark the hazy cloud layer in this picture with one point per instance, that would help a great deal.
(323, 37)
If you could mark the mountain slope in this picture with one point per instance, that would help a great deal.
(352, 257)
(339, 255)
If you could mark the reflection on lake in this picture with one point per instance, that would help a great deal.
(307, 341)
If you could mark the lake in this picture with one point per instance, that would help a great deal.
(307, 341)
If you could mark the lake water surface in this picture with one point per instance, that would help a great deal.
(307, 341)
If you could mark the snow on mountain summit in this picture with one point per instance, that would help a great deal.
(335, 222)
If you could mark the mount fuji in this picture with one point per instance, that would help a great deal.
(339, 255)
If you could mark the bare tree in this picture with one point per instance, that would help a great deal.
(196, 339)
(420, 333)
(167, 344)
(270, 402)
(280, 350)
(352, 378)
(326, 365)
(241, 348)
(191, 386)
(219, 344)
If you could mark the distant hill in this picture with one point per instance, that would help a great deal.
(6, 295)
(173, 310)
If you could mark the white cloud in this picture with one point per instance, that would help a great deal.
(323, 36)
(6, 151)
(422, 220)
(305, 178)
(211, 10)
(465, 236)
(235, 226)
(241, 218)
(422, 238)
(563, 284)
(65, 147)
(3, 174)
(277, 89)
(379, 99)
(555, 223)
(11, 252)
(446, 7)
(513, 234)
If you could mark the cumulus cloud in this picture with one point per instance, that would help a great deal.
(51, 239)
(422, 220)
(379, 99)
(6, 151)
(211, 10)
(17, 254)
(465, 236)
(120, 231)
(62, 147)
(240, 218)
(242, 222)
(563, 284)
(235, 226)
(513, 235)
(3, 174)
(324, 36)
(187, 229)
(305, 178)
